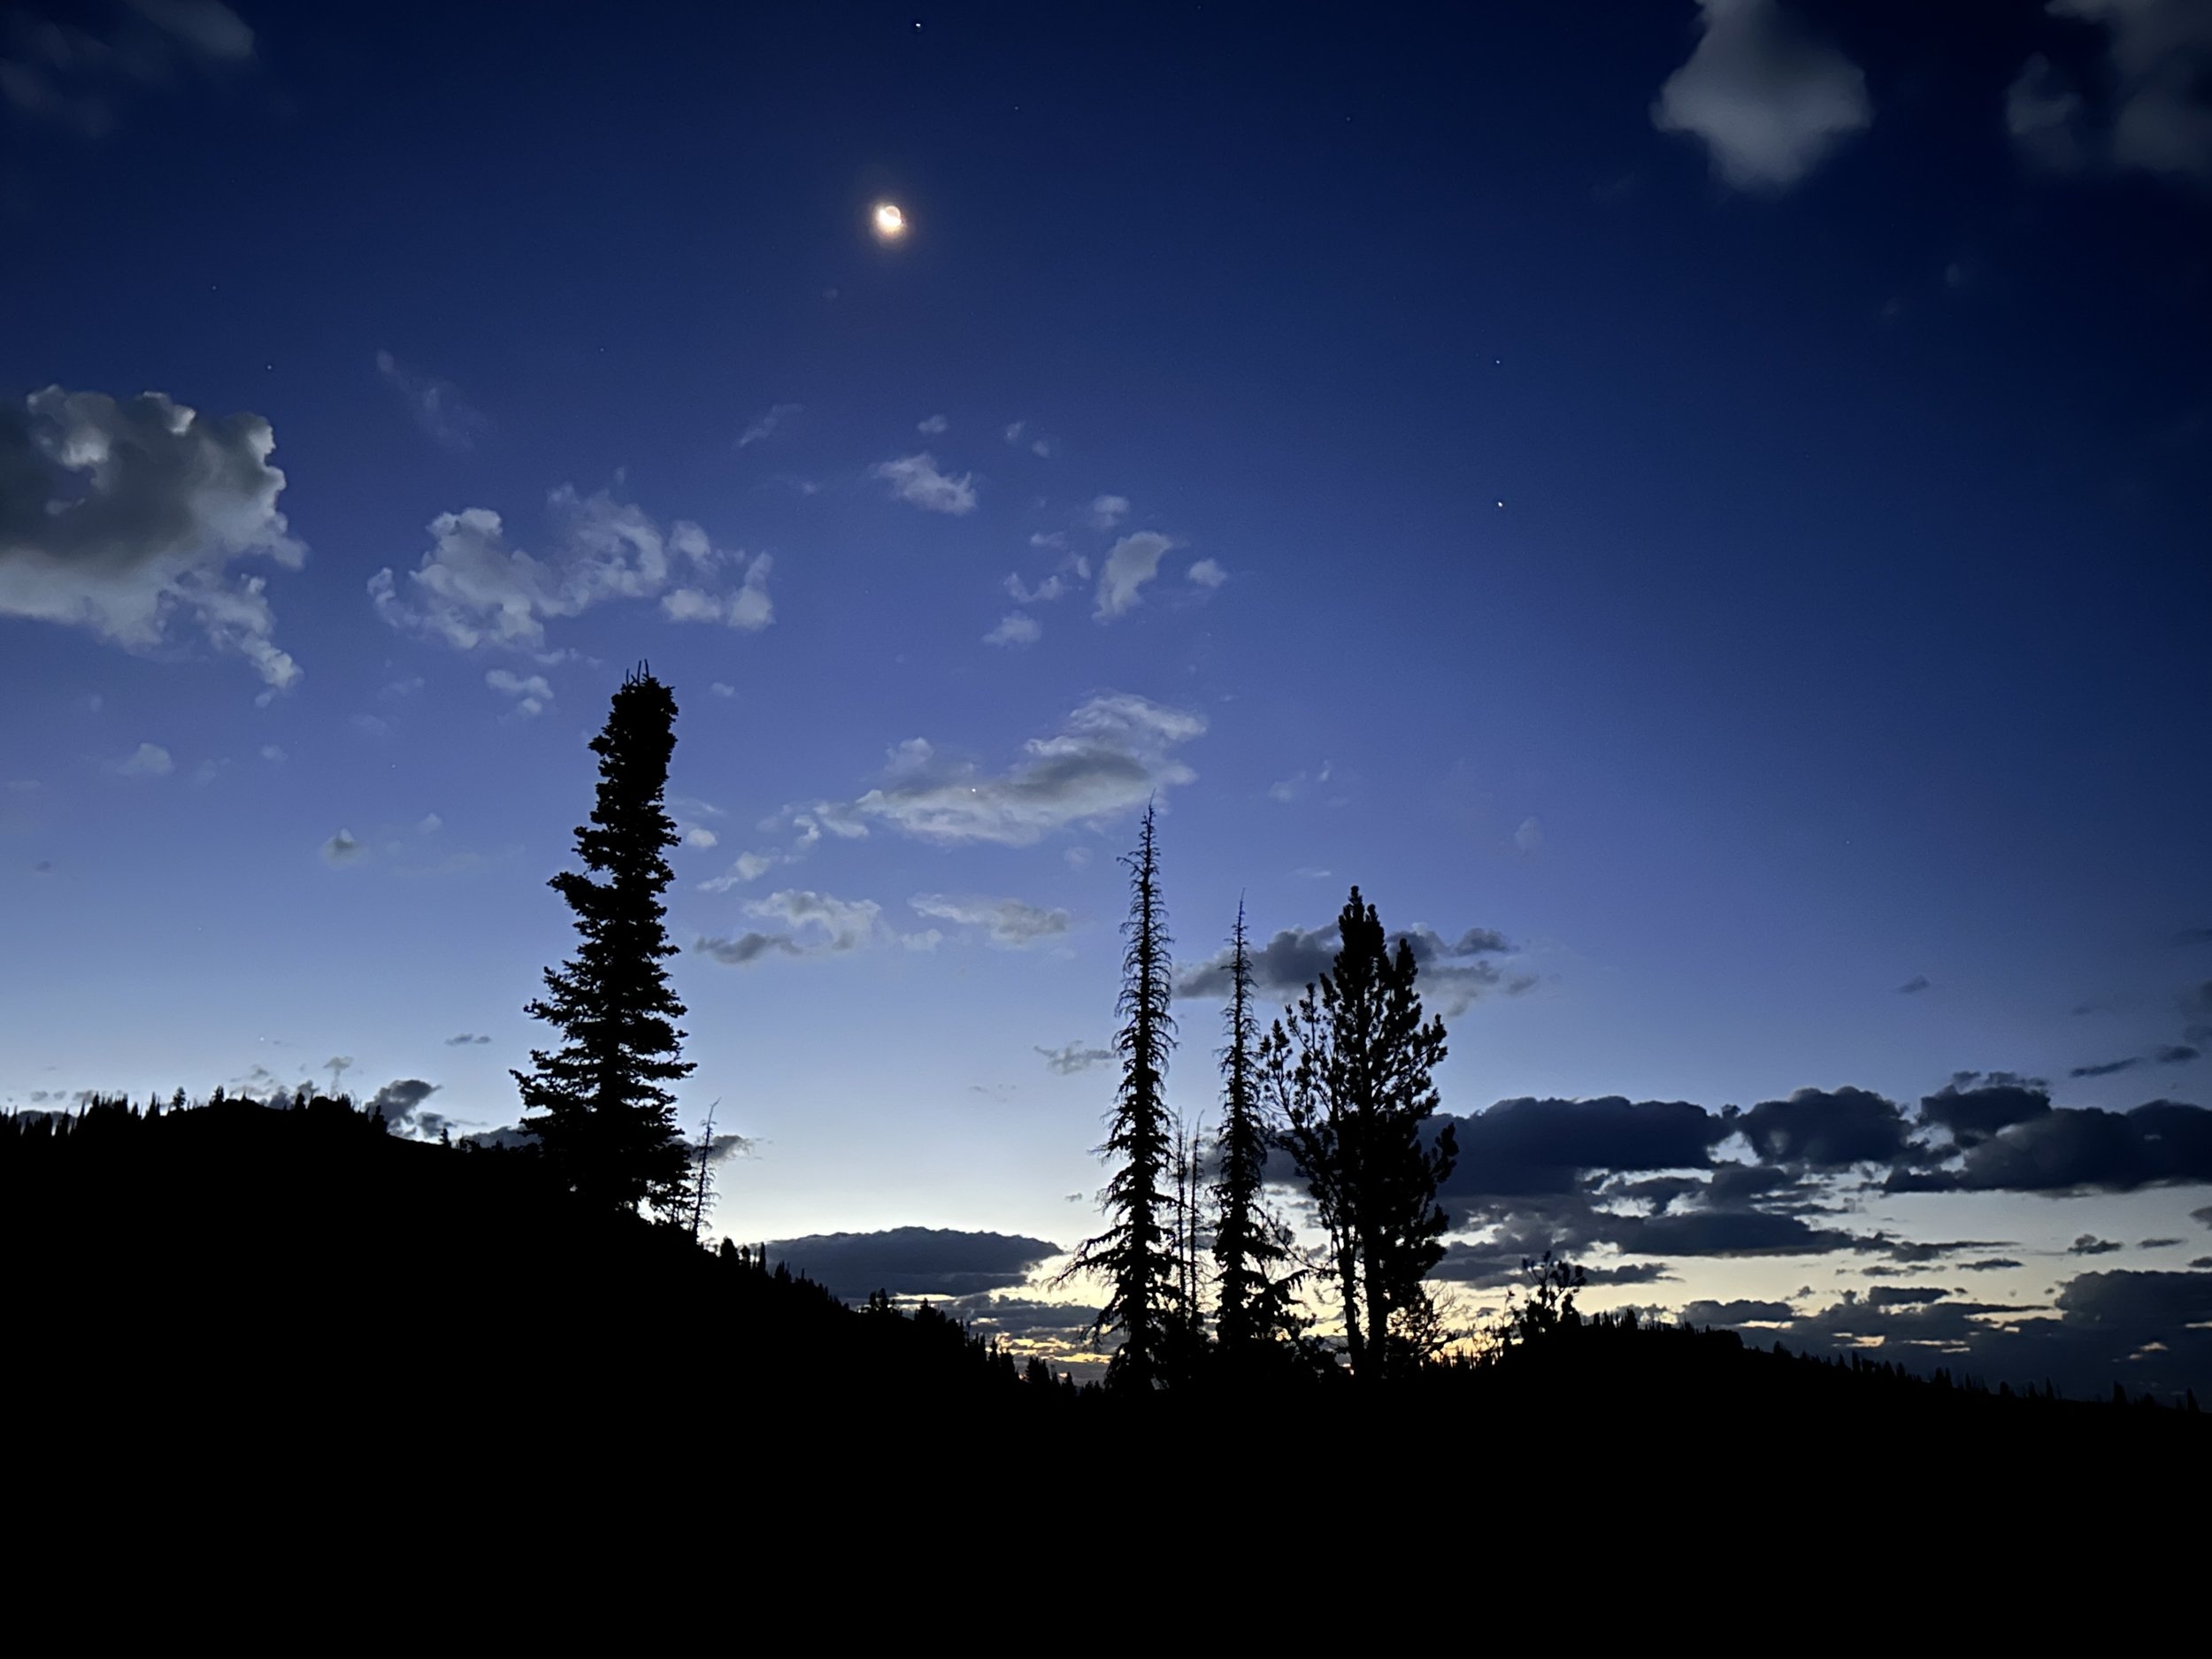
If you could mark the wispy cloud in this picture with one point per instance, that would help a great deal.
(1069, 1058)
(446, 418)
(147, 760)
(814, 925)
(1112, 755)
(2152, 111)
(1288, 789)
(1009, 922)
(767, 426)
(77, 77)
(916, 480)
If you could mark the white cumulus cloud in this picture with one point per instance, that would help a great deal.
(1769, 100)
(1134, 561)
(916, 480)
(473, 589)
(1016, 628)
(530, 692)
(747, 607)
(127, 518)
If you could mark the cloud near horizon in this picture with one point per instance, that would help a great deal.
(1453, 971)
(913, 1260)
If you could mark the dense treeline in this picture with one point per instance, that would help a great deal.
(290, 1298)
(237, 1240)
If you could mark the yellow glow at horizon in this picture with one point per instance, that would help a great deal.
(890, 221)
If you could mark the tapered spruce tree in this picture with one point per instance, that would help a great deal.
(1136, 1253)
(1352, 1075)
(599, 1104)
(1255, 1314)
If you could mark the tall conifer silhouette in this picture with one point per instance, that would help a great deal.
(1135, 1254)
(601, 1113)
(1352, 1074)
(1254, 1308)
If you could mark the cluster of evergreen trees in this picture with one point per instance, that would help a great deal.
(1343, 1082)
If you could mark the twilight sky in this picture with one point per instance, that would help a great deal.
(1697, 508)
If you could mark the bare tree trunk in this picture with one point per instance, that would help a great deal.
(703, 1187)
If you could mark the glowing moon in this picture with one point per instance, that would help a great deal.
(890, 222)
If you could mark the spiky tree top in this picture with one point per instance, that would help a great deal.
(1250, 1248)
(1134, 1254)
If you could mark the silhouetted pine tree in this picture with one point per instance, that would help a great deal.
(1351, 1074)
(1254, 1287)
(603, 1116)
(1185, 1314)
(1135, 1253)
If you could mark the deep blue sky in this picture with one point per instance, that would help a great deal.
(1713, 495)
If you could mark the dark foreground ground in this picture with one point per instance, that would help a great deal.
(261, 1302)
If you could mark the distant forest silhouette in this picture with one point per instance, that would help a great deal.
(281, 1250)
